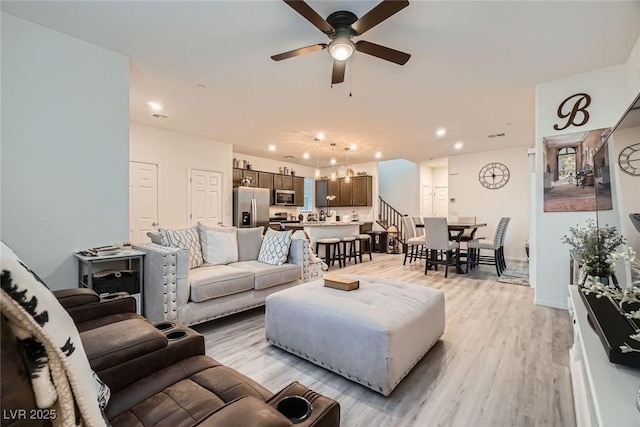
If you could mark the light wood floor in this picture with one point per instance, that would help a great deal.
(502, 361)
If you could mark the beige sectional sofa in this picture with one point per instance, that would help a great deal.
(173, 291)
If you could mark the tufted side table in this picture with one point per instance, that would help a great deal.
(373, 335)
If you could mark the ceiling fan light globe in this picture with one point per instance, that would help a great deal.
(341, 49)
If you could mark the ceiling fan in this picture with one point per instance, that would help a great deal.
(341, 27)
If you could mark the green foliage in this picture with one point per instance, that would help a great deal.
(593, 245)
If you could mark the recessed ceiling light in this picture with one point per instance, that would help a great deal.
(458, 145)
(333, 161)
(378, 155)
(319, 137)
(305, 155)
(353, 146)
(155, 106)
(440, 132)
(272, 147)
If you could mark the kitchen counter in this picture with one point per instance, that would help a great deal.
(322, 229)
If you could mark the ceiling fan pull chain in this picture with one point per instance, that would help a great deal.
(350, 74)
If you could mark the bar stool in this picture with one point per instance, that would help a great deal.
(362, 239)
(348, 254)
(328, 244)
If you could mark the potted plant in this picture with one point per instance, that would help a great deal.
(593, 246)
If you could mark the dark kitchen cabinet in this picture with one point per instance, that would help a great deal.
(282, 182)
(237, 178)
(322, 188)
(298, 188)
(358, 192)
(265, 180)
(344, 199)
(362, 191)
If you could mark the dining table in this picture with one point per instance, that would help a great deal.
(456, 231)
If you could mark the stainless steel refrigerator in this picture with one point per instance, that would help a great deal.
(251, 207)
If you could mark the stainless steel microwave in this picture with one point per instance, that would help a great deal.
(284, 197)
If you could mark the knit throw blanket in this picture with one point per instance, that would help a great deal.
(50, 343)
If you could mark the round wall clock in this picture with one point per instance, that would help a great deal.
(494, 175)
(629, 160)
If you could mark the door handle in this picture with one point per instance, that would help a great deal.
(153, 224)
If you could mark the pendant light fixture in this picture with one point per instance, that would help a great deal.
(347, 177)
(334, 173)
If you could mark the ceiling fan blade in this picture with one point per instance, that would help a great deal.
(382, 52)
(298, 52)
(338, 72)
(378, 14)
(310, 15)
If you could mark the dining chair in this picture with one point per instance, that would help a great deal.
(443, 251)
(467, 234)
(475, 248)
(412, 242)
(419, 230)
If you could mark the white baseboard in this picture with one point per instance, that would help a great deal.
(551, 304)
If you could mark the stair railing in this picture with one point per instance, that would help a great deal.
(388, 215)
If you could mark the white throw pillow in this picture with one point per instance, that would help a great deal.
(275, 247)
(219, 244)
(187, 238)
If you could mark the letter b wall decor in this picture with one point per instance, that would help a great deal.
(574, 109)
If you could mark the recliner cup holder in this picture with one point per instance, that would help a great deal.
(296, 408)
(163, 326)
(110, 296)
(177, 335)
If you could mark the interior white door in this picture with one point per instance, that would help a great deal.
(427, 201)
(206, 197)
(441, 202)
(143, 200)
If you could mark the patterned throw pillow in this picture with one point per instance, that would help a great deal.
(275, 247)
(186, 238)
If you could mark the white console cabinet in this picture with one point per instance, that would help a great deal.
(604, 393)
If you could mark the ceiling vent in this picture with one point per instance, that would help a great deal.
(289, 157)
(160, 116)
(496, 135)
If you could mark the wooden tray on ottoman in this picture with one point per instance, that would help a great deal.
(341, 283)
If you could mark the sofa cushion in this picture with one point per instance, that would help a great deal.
(186, 238)
(115, 343)
(275, 247)
(182, 394)
(249, 242)
(219, 244)
(155, 237)
(217, 281)
(267, 275)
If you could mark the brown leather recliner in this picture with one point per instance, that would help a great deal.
(158, 375)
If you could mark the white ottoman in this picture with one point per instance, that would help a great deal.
(374, 335)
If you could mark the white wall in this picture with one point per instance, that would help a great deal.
(440, 176)
(65, 118)
(608, 90)
(399, 185)
(175, 153)
(512, 200)
(633, 71)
